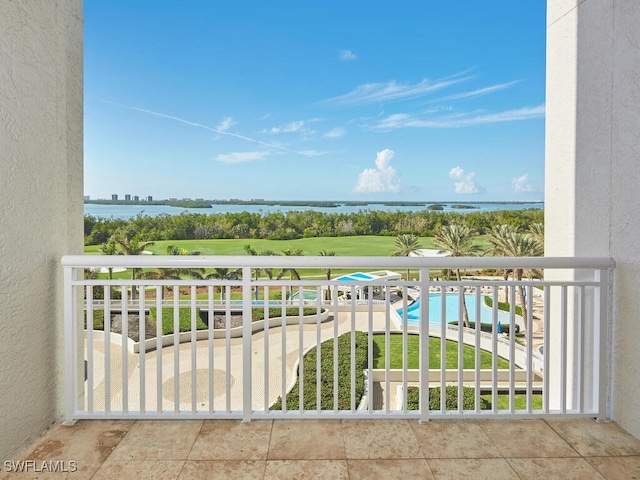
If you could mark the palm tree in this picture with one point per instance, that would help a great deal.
(293, 273)
(500, 237)
(259, 271)
(219, 274)
(457, 240)
(109, 248)
(523, 245)
(405, 245)
(172, 273)
(129, 243)
(327, 253)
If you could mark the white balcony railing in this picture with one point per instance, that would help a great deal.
(246, 347)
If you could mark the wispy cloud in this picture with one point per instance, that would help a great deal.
(206, 127)
(464, 183)
(475, 93)
(382, 178)
(392, 91)
(291, 127)
(463, 119)
(241, 157)
(347, 56)
(521, 185)
(336, 132)
(226, 124)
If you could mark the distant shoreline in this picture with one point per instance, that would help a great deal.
(187, 203)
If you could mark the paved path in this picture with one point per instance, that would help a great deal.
(262, 352)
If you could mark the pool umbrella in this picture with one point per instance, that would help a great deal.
(499, 327)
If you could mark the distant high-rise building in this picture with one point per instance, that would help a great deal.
(149, 198)
(87, 197)
(136, 198)
(127, 197)
(114, 196)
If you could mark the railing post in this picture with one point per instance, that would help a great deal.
(424, 345)
(246, 344)
(601, 311)
(70, 347)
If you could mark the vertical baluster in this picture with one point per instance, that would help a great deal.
(267, 366)
(194, 356)
(319, 347)
(211, 320)
(159, 294)
(125, 351)
(176, 349)
(107, 349)
(546, 352)
(142, 336)
(90, 347)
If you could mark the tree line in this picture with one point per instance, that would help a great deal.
(301, 224)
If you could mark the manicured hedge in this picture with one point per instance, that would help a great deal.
(488, 327)
(344, 375)
(468, 398)
(274, 312)
(184, 315)
(504, 306)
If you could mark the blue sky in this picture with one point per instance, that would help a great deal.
(377, 100)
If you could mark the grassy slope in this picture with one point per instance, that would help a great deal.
(343, 246)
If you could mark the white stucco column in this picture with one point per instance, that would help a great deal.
(592, 177)
(41, 214)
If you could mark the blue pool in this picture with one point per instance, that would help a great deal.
(451, 306)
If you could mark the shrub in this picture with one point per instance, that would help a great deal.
(488, 327)
(184, 315)
(504, 306)
(258, 313)
(326, 381)
(468, 398)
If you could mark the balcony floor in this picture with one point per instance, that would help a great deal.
(353, 449)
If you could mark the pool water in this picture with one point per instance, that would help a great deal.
(451, 309)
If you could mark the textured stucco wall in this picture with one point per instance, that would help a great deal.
(41, 209)
(592, 170)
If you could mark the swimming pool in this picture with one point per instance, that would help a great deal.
(451, 308)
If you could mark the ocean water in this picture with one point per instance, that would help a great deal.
(130, 211)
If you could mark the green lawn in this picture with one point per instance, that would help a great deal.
(365, 245)
(434, 353)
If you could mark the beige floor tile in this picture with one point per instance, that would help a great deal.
(596, 439)
(463, 439)
(232, 440)
(83, 441)
(306, 470)
(380, 439)
(140, 470)
(223, 470)
(476, 469)
(614, 468)
(87, 443)
(526, 438)
(307, 439)
(410, 469)
(554, 468)
(158, 440)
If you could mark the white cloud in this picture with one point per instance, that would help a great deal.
(382, 178)
(347, 56)
(520, 185)
(226, 124)
(299, 126)
(463, 119)
(464, 183)
(392, 91)
(336, 132)
(476, 93)
(241, 157)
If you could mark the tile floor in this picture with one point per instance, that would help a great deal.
(349, 449)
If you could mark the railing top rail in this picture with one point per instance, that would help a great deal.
(237, 261)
